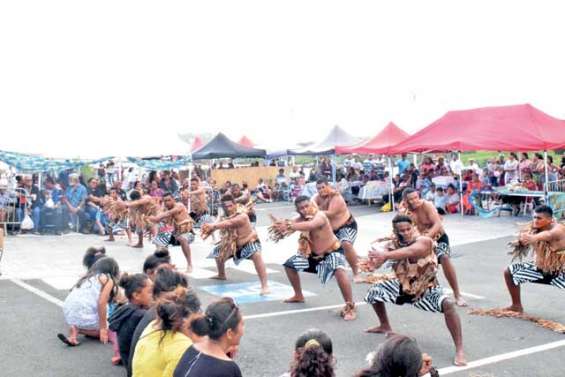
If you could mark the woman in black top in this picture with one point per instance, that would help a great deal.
(223, 324)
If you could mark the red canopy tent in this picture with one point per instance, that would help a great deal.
(503, 128)
(389, 136)
(196, 144)
(246, 142)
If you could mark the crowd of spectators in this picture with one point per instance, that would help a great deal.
(69, 203)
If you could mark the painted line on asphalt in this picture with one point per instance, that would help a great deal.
(271, 208)
(502, 357)
(38, 292)
(297, 311)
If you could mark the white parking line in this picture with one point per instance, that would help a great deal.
(39, 292)
(465, 294)
(502, 357)
(297, 311)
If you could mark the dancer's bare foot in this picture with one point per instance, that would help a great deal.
(137, 246)
(294, 300)
(515, 308)
(379, 330)
(460, 301)
(189, 269)
(111, 239)
(219, 277)
(264, 291)
(460, 360)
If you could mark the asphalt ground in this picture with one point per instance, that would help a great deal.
(30, 317)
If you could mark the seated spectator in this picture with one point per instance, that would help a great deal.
(154, 261)
(263, 192)
(452, 200)
(222, 329)
(167, 183)
(92, 208)
(440, 199)
(313, 355)
(430, 195)
(474, 188)
(73, 204)
(165, 340)
(166, 283)
(7, 203)
(138, 289)
(398, 356)
(51, 212)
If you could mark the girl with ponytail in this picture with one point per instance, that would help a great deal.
(313, 355)
(212, 357)
(164, 340)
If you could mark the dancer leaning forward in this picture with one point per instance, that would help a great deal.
(319, 252)
(415, 268)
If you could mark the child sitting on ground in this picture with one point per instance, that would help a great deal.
(85, 308)
(139, 292)
(92, 255)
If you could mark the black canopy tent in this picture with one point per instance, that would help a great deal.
(222, 147)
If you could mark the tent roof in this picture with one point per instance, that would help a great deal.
(503, 128)
(197, 143)
(381, 143)
(246, 142)
(222, 147)
(336, 137)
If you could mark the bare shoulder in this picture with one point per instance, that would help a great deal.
(425, 241)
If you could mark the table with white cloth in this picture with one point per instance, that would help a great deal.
(374, 190)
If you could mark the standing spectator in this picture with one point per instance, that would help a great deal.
(525, 164)
(427, 167)
(455, 164)
(95, 192)
(402, 164)
(441, 169)
(155, 191)
(474, 167)
(117, 185)
(7, 200)
(73, 200)
(101, 172)
(493, 172)
(511, 168)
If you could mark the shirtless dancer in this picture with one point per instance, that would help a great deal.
(548, 241)
(415, 268)
(427, 220)
(243, 197)
(326, 254)
(176, 215)
(248, 245)
(140, 208)
(116, 211)
(341, 220)
(198, 202)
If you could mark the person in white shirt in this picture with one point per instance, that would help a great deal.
(475, 167)
(511, 168)
(455, 164)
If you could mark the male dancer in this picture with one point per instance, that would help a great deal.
(142, 207)
(238, 241)
(243, 197)
(428, 222)
(198, 202)
(325, 254)
(177, 215)
(415, 267)
(547, 238)
(341, 220)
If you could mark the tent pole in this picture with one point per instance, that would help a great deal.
(334, 173)
(391, 194)
(546, 184)
(460, 184)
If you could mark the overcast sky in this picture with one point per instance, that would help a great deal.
(114, 77)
